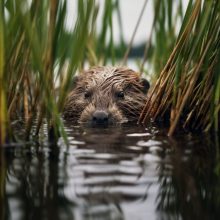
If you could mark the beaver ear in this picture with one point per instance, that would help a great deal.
(145, 84)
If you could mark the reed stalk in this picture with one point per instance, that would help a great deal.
(187, 91)
(124, 61)
(37, 51)
(3, 114)
(36, 43)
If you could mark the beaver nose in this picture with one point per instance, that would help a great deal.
(100, 118)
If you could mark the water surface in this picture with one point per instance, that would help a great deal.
(126, 173)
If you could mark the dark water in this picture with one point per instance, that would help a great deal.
(116, 173)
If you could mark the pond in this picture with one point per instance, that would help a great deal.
(129, 173)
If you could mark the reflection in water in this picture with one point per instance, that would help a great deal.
(191, 188)
(2, 184)
(114, 173)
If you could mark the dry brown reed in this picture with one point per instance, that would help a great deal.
(187, 90)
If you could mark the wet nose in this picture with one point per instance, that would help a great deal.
(100, 118)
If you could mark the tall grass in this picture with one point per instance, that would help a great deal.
(39, 58)
(167, 17)
(2, 86)
(188, 89)
(37, 51)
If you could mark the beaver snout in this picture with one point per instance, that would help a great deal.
(100, 117)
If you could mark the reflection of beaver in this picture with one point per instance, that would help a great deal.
(105, 96)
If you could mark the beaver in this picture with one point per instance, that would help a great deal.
(106, 96)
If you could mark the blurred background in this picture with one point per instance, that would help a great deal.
(130, 12)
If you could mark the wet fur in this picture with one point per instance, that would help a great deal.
(98, 88)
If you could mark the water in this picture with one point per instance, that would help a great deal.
(130, 173)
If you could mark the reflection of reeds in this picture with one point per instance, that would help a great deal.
(2, 184)
(189, 188)
(188, 88)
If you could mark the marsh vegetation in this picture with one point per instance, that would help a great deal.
(39, 58)
(128, 172)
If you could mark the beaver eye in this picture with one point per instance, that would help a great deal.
(120, 94)
(87, 94)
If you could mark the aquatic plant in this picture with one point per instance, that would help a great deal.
(39, 57)
(2, 87)
(187, 91)
(158, 46)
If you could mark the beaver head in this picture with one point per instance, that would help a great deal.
(106, 96)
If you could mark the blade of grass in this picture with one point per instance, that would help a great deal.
(2, 87)
(124, 61)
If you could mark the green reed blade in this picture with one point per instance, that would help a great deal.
(3, 116)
